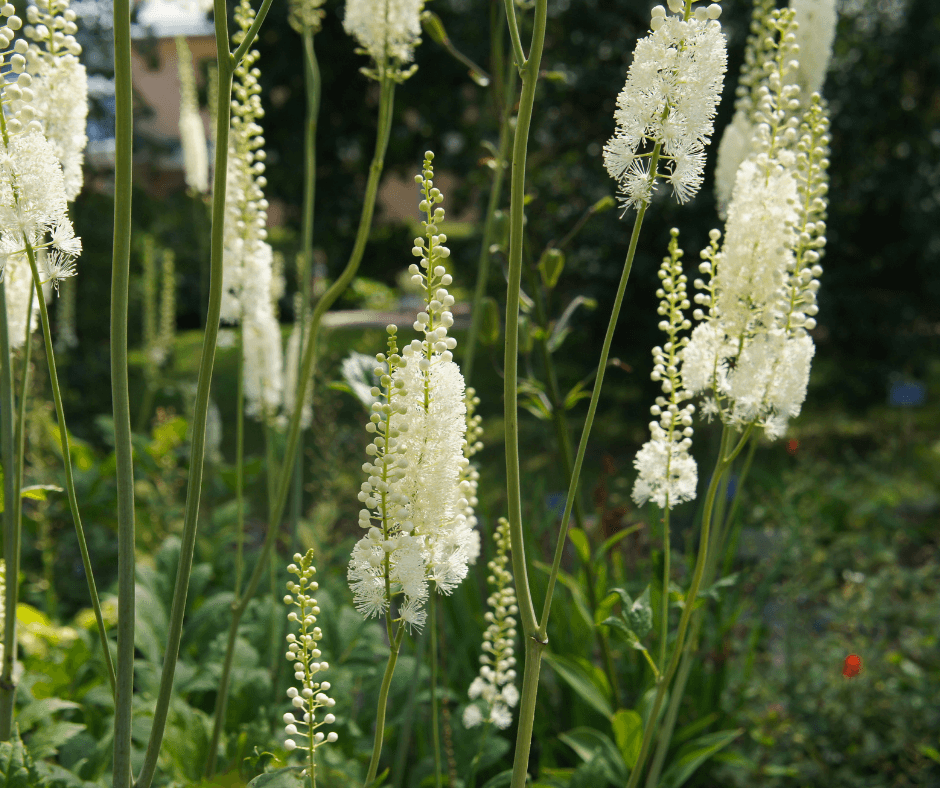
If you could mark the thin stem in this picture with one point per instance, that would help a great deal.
(240, 462)
(393, 649)
(475, 763)
(435, 725)
(236, 57)
(721, 466)
(120, 399)
(386, 104)
(483, 262)
(404, 735)
(664, 602)
(10, 553)
(517, 50)
(732, 526)
(207, 361)
(67, 462)
(534, 644)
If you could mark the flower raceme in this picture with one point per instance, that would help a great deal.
(419, 494)
(304, 652)
(665, 111)
(387, 31)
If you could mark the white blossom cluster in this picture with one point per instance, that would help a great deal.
(667, 473)
(248, 280)
(752, 353)
(666, 109)
(387, 31)
(304, 652)
(192, 132)
(813, 33)
(418, 500)
(61, 85)
(33, 202)
(495, 685)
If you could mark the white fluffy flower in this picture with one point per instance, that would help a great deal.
(667, 474)
(388, 30)
(815, 34)
(192, 131)
(18, 281)
(40, 204)
(291, 371)
(734, 148)
(672, 90)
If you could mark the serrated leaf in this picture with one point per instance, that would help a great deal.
(628, 734)
(591, 744)
(580, 541)
(694, 754)
(40, 709)
(288, 777)
(581, 682)
(16, 767)
(640, 615)
(45, 741)
(602, 613)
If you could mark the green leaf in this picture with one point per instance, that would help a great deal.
(640, 615)
(40, 709)
(694, 754)
(288, 777)
(45, 742)
(694, 728)
(16, 767)
(620, 626)
(580, 541)
(489, 322)
(581, 682)
(611, 541)
(38, 491)
(551, 265)
(589, 744)
(577, 594)
(576, 394)
(714, 588)
(604, 607)
(628, 733)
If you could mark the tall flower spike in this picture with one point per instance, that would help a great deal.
(665, 111)
(387, 31)
(668, 475)
(61, 85)
(814, 36)
(192, 132)
(301, 725)
(495, 684)
(248, 276)
(418, 499)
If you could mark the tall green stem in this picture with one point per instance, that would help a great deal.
(529, 70)
(435, 725)
(10, 537)
(226, 67)
(120, 399)
(664, 602)
(386, 104)
(496, 190)
(393, 650)
(240, 462)
(724, 461)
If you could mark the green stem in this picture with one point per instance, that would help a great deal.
(121, 406)
(483, 262)
(10, 553)
(732, 525)
(435, 725)
(240, 462)
(475, 763)
(252, 33)
(67, 461)
(404, 736)
(721, 466)
(393, 649)
(386, 104)
(313, 84)
(664, 602)
(190, 522)
(535, 644)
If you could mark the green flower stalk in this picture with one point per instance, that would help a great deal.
(304, 652)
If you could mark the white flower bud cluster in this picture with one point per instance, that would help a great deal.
(61, 85)
(667, 474)
(303, 650)
(192, 132)
(668, 104)
(495, 684)
(752, 353)
(420, 491)
(247, 273)
(387, 31)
